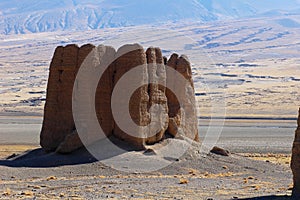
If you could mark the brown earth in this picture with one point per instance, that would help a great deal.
(295, 164)
(193, 176)
(59, 132)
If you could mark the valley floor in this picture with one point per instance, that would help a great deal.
(198, 177)
(247, 71)
(257, 167)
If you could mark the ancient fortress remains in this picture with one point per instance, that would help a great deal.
(59, 130)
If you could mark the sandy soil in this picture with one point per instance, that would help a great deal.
(258, 166)
(281, 159)
(8, 150)
(192, 176)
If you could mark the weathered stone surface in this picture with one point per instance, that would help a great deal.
(103, 94)
(58, 120)
(173, 126)
(220, 151)
(157, 95)
(187, 109)
(173, 104)
(70, 143)
(150, 104)
(127, 58)
(295, 164)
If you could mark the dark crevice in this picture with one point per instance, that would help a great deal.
(113, 77)
(167, 135)
(60, 74)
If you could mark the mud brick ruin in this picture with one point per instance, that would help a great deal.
(295, 164)
(59, 130)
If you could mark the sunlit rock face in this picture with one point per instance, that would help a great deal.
(295, 164)
(58, 119)
(152, 103)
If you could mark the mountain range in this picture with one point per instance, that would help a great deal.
(31, 16)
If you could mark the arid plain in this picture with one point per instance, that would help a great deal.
(245, 71)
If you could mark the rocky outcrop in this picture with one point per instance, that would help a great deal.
(150, 105)
(220, 151)
(127, 58)
(295, 164)
(58, 119)
(187, 109)
(157, 95)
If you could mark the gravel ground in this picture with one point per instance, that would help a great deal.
(40, 175)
